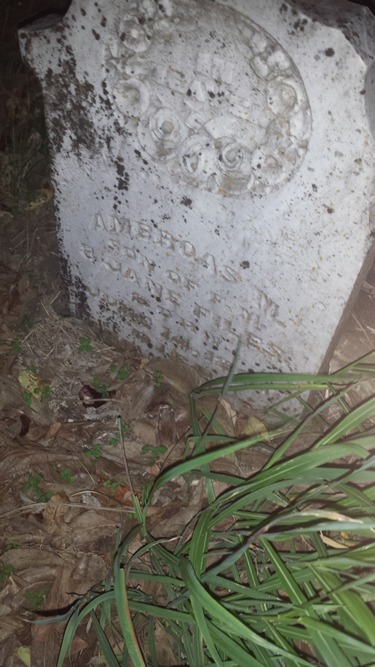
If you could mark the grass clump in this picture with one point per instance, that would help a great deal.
(276, 570)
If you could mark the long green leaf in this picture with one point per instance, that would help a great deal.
(126, 623)
(233, 625)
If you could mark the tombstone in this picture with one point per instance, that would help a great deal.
(213, 166)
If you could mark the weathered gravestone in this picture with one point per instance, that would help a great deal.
(213, 165)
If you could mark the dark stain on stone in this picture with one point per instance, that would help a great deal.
(330, 209)
(119, 167)
(68, 105)
(300, 24)
(186, 201)
(122, 184)
(211, 94)
(106, 103)
(329, 52)
(103, 22)
(119, 129)
(83, 12)
(80, 298)
(245, 264)
(123, 176)
(314, 187)
(96, 34)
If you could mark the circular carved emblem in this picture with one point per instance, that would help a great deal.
(211, 95)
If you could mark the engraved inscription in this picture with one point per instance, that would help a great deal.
(136, 230)
(210, 95)
(183, 342)
(139, 269)
(163, 278)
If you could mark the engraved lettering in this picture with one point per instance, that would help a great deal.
(188, 249)
(112, 264)
(134, 316)
(93, 291)
(155, 290)
(167, 240)
(87, 252)
(215, 361)
(267, 305)
(215, 298)
(144, 231)
(166, 333)
(165, 312)
(180, 342)
(209, 263)
(190, 284)
(213, 340)
(109, 223)
(129, 252)
(195, 353)
(275, 350)
(141, 230)
(173, 297)
(138, 298)
(174, 277)
(99, 222)
(250, 340)
(187, 325)
(199, 311)
(109, 301)
(141, 337)
(131, 275)
(230, 275)
(113, 245)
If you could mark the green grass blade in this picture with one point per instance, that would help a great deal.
(233, 625)
(355, 612)
(125, 619)
(329, 648)
(104, 644)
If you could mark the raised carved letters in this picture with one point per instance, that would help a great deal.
(220, 321)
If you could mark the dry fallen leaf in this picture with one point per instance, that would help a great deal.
(255, 426)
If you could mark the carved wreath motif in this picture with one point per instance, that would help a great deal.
(211, 95)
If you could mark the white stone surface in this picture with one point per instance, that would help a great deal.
(213, 165)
